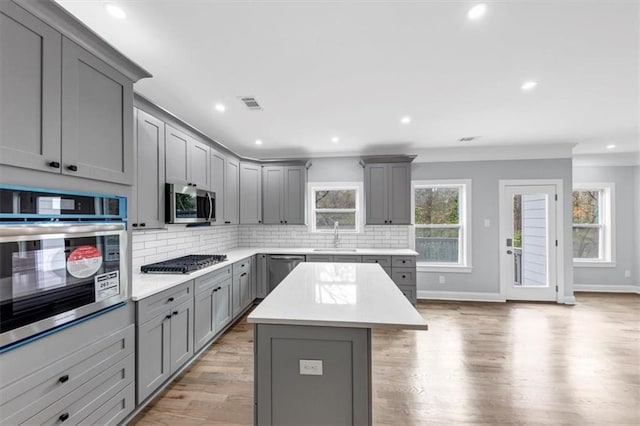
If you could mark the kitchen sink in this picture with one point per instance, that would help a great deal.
(347, 250)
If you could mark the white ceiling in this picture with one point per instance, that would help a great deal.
(352, 69)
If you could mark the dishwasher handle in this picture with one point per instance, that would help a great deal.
(301, 258)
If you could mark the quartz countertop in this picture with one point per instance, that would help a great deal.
(359, 295)
(145, 285)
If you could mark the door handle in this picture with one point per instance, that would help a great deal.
(509, 252)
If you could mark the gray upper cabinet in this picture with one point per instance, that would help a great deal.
(187, 160)
(388, 193)
(250, 193)
(283, 194)
(30, 53)
(217, 165)
(148, 201)
(231, 190)
(97, 119)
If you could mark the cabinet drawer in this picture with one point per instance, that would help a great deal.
(159, 303)
(403, 261)
(319, 258)
(114, 410)
(384, 261)
(84, 400)
(409, 292)
(344, 258)
(36, 391)
(207, 282)
(403, 276)
(242, 266)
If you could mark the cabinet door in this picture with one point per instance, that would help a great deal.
(176, 152)
(149, 188)
(272, 194)
(250, 193)
(30, 80)
(295, 181)
(236, 296)
(97, 118)
(204, 326)
(154, 365)
(223, 309)
(245, 290)
(198, 165)
(217, 183)
(399, 193)
(375, 192)
(181, 335)
(231, 190)
(261, 276)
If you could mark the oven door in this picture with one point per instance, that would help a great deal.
(51, 275)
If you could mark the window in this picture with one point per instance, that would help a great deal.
(592, 223)
(441, 222)
(331, 203)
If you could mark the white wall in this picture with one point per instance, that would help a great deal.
(626, 217)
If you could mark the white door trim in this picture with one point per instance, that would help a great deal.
(558, 183)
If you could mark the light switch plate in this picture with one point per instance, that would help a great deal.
(311, 367)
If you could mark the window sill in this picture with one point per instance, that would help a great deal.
(456, 269)
(593, 264)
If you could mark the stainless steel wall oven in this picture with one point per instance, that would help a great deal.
(62, 258)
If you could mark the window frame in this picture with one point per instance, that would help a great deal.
(336, 186)
(606, 224)
(464, 263)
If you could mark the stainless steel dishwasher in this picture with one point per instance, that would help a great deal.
(279, 267)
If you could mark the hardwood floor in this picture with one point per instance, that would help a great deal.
(486, 363)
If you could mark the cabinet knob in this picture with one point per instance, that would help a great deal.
(259, 221)
(386, 221)
(189, 184)
(285, 221)
(167, 317)
(404, 276)
(143, 224)
(135, 225)
(194, 185)
(72, 167)
(281, 221)
(54, 164)
(64, 378)
(404, 261)
(227, 222)
(170, 299)
(215, 289)
(175, 312)
(63, 417)
(390, 221)
(219, 288)
(243, 274)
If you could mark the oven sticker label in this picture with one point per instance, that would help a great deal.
(107, 285)
(84, 261)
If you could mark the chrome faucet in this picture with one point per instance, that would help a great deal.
(336, 235)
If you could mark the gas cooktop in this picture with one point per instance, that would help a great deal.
(184, 264)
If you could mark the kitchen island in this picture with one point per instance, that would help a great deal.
(313, 343)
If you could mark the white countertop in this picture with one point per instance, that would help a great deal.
(145, 285)
(357, 295)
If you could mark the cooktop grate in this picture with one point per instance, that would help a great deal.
(184, 264)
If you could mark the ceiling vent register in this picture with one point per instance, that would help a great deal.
(251, 102)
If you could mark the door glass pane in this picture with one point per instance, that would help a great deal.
(530, 242)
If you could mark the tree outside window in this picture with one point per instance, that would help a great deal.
(587, 224)
(334, 204)
(437, 223)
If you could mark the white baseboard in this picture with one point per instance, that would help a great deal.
(568, 300)
(599, 288)
(460, 296)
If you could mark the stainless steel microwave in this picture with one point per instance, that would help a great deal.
(187, 204)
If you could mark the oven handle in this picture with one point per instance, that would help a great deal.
(35, 229)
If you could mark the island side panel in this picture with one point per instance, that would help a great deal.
(340, 396)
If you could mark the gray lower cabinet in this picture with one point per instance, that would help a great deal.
(231, 191)
(241, 296)
(250, 193)
(80, 386)
(165, 336)
(283, 194)
(218, 170)
(387, 189)
(212, 305)
(147, 206)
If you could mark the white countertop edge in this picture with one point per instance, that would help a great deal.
(342, 324)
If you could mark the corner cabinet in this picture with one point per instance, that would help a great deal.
(187, 160)
(250, 193)
(283, 194)
(64, 110)
(387, 188)
(147, 206)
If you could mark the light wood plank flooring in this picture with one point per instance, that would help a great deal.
(483, 363)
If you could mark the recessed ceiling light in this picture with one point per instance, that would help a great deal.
(335, 139)
(611, 146)
(258, 141)
(115, 11)
(477, 11)
(529, 85)
(405, 120)
(220, 108)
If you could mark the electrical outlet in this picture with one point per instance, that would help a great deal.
(311, 367)
(441, 279)
(627, 273)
